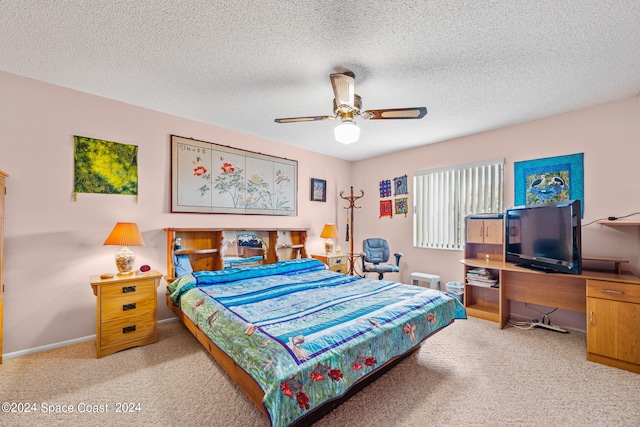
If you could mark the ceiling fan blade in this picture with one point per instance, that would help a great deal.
(303, 119)
(343, 88)
(396, 113)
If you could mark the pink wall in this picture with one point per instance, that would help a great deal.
(609, 137)
(53, 244)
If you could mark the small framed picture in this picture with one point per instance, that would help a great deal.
(318, 190)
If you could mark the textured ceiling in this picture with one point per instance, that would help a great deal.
(475, 65)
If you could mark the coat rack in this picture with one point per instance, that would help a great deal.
(352, 205)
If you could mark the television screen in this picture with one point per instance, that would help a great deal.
(545, 237)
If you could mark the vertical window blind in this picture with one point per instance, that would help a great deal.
(445, 196)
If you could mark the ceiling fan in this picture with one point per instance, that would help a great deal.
(347, 105)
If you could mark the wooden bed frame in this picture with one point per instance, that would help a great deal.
(203, 247)
(251, 388)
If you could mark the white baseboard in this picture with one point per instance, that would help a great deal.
(63, 344)
(47, 347)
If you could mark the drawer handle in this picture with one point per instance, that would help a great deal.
(611, 291)
(127, 307)
(338, 261)
(127, 289)
(128, 329)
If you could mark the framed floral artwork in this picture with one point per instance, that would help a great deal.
(318, 190)
(402, 205)
(213, 178)
(548, 180)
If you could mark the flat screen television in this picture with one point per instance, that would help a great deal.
(545, 237)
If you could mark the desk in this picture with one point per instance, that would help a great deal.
(611, 301)
(566, 291)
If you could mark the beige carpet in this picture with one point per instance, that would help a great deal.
(470, 374)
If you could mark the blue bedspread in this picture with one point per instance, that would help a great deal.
(307, 334)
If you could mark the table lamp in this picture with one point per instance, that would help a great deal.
(329, 232)
(125, 234)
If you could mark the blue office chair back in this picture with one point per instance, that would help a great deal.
(376, 250)
(376, 255)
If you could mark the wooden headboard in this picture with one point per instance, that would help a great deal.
(206, 247)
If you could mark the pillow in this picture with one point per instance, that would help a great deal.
(182, 264)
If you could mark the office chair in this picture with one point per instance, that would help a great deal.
(376, 256)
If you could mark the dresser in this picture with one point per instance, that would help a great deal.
(126, 311)
(336, 262)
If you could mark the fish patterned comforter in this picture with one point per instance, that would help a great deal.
(307, 334)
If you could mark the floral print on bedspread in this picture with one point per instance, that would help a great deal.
(308, 338)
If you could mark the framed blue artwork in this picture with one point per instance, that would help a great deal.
(400, 185)
(548, 180)
(318, 190)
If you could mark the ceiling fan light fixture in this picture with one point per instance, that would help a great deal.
(347, 132)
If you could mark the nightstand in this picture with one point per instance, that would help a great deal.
(336, 262)
(126, 311)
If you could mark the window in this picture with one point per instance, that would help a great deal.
(445, 196)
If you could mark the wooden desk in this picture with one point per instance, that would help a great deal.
(566, 291)
(611, 301)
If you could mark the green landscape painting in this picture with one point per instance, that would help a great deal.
(105, 167)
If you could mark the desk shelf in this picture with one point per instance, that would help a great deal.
(617, 267)
(484, 311)
(617, 223)
(484, 248)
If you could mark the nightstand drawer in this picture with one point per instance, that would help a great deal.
(339, 268)
(334, 261)
(128, 288)
(128, 329)
(129, 306)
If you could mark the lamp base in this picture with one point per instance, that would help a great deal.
(328, 246)
(125, 273)
(124, 261)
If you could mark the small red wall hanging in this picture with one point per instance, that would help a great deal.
(386, 208)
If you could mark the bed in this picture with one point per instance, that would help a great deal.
(297, 337)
